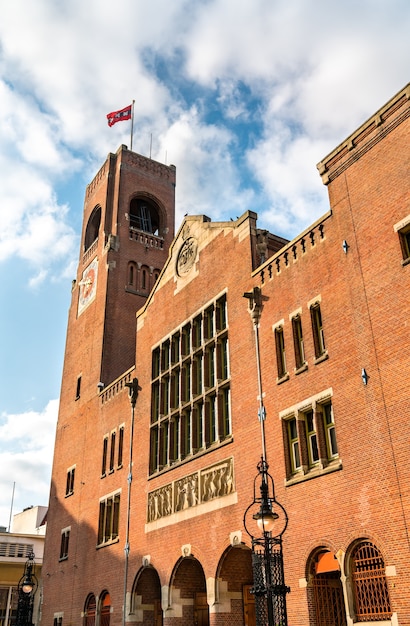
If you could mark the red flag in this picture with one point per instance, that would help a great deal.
(119, 116)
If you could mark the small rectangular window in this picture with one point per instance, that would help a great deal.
(280, 351)
(155, 363)
(175, 341)
(104, 456)
(404, 235)
(163, 445)
(330, 431)
(69, 488)
(153, 462)
(174, 439)
(294, 445)
(298, 342)
(209, 323)
(311, 437)
(220, 316)
(197, 332)
(174, 397)
(120, 446)
(185, 340)
(197, 428)
(185, 434)
(164, 395)
(112, 451)
(78, 390)
(65, 539)
(224, 424)
(317, 329)
(210, 421)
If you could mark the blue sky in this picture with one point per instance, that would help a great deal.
(243, 97)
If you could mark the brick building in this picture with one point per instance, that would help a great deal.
(333, 332)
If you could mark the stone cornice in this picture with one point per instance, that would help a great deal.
(366, 136)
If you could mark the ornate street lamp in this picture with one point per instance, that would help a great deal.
(265, 519)
(26, 588)
(133, 391)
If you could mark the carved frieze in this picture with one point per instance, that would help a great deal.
(211, 482)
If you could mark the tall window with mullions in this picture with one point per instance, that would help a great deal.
(190, 388)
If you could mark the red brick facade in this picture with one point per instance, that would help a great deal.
(337, 299)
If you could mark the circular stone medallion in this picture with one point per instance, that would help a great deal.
(186, 256)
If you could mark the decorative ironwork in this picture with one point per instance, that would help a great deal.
(27, 588)
(267, 556)
(329, 603)
(370, 584)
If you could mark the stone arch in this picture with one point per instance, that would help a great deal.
(93, 227)
(188, 593)
(234, 578)
(325, 595)
(146, 597)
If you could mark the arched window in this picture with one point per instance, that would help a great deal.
(90, 610)
(93, 226)
(144, 215)
(131, 274)
(144, 280)
(371, 594)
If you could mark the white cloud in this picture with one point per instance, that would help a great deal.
(210, 185)
(26, 453)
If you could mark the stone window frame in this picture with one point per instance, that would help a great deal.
(402, 228)
(308, 466)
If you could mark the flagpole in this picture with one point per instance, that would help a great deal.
(132, 122)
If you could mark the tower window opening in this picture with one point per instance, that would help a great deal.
(144, 216)
(93, 227)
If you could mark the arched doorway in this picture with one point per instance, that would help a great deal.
(90, 609)
(105, 609)
(189, 590)
(325, 591)
(146, 597)
(235, 581)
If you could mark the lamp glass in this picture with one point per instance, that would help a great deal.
(265, 519)
(27, 586)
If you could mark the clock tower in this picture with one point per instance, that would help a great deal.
(128, 226)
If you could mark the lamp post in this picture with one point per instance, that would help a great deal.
(26, 588)
(265, 519)
(133, 390)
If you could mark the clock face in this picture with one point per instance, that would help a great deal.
(88, 286)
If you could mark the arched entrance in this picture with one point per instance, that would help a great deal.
(90, 609)
(105, 609)
(189, 590)
(325, 591)
(235, 580)
(146, 597)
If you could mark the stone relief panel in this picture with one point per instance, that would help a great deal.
(217, 480)
(211, 482)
